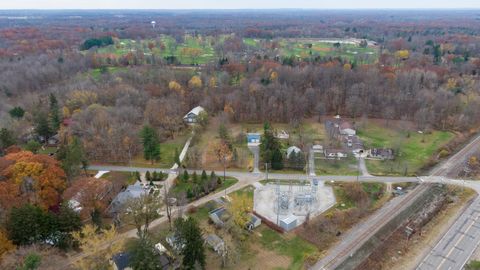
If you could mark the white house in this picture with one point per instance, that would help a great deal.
(191, 116)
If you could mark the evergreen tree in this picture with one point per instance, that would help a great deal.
(54, 114)
(42, 127)
(6, 139)
(195, 178)
(143, 255)
(148, 177)
(204, 176)
(189, 236)
(73, 157)
(17, 112)
(270, 148)
(151, 143)
(185, 177)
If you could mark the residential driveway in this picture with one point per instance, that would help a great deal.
(363, 167)
(255, 149)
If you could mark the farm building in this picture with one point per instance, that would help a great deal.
(192, 116)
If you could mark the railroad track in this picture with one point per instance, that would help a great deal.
(456, 160)
(369, 232)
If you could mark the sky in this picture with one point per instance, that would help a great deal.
(238, 4)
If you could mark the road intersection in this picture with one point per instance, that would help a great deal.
(451, 252)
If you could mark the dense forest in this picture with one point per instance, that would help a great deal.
(424, 69)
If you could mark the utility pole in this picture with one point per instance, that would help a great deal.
(358, 168)
(224, 174)
(266, 171)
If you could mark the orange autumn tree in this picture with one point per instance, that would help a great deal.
(39, 178)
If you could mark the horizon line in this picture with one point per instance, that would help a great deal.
(235, 9)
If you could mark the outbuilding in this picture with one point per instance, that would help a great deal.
(288, 223)
(254, 222)
(253, 138)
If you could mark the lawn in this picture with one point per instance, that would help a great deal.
(345, 166)
(166, 46)
(413, 149)
(350, 52)
(125, 178)
(167, 154)
(288, 245)
(200, 50)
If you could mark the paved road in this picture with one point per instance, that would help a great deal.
(455, 248)
(463, 243)
(281, 176)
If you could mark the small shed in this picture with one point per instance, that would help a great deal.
(215, 242)
(254, 222)
(288, 223)
(219, 216)
(253, 138)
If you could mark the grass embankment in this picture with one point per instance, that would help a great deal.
(355, 201)
(413, 150)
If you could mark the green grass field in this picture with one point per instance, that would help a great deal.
(181, 186)
(288, 245)
(413, 149)
(200, 50)
(167, 154)
(345, 166)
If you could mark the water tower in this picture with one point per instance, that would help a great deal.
(153, 24)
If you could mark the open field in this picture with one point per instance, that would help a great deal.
(167, 154)
(193, 50)
(413, 150)
(344, 166)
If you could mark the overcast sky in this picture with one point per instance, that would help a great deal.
(234, 4)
